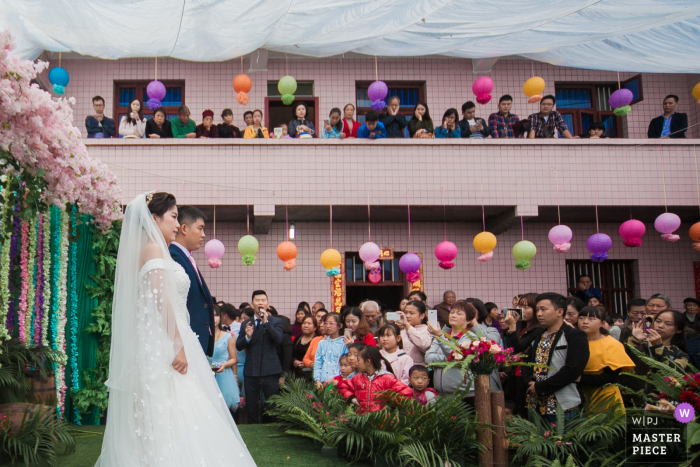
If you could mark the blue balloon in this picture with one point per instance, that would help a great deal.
(59, 76)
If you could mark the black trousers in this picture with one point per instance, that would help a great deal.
(253, 385)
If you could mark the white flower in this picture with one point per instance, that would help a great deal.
(71, 100)
(495, 348)
(3, 178)
(459, 356)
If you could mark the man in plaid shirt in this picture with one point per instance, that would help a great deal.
(501, 123)
(544, 123)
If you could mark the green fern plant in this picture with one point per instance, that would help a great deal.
(15, 361)
(39, 440)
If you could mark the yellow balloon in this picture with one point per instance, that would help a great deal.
(533, 86)
(696, 92)
(330, 259)
(485, 242)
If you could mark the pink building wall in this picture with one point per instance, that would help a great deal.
(448, 84)
(662, 267)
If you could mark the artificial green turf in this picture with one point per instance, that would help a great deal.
(267, 448)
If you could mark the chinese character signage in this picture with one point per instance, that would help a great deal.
(418, 285)
(386, 253)
(338, 288)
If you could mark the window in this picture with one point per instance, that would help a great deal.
(613, 277)
(125, 91)
(356, 272)
(634, 84)
(409, 92)
(304, 89)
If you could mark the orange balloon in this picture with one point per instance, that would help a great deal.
(695, 232)
(242, 98)
(242, 83)
(286, 251)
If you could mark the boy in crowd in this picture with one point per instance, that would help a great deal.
(372, 128)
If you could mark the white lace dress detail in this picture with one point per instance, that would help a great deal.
(175, 420)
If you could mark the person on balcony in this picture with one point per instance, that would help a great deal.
(133, 125)
(207, 129)
(471, 126)
(350, 126)
(256, 130)
(159, 126)
(596, 131)
(421, 125)
(501, 123)
(333, 125)
(228, 129)
(248, 118)
(450, 125)
(372, 128)
(182, 126)
(393, 122)
(99, 125)
(546, 123)
(671, 124)
(300, 124)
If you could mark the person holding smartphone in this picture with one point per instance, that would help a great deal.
(357, 328)
(333, 125)
(665, 342)
(133, 125)
(414, 331)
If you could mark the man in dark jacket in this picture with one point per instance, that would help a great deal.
(549, 345)
(470, 126)
(671, 124)
(260, 337)
(391, 119)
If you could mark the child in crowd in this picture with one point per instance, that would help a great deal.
(346, 371)
(419, 378)
(392, 350)
(370, 381)
(353, 352)
(609, 324)
(372, 128)
(326, 362)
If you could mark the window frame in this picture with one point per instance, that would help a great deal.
(576, 112)
(641, 87)
(602, 274)
(411, 84)
(141, 85)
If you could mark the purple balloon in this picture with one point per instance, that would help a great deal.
(156, 90)
(621, 98)
(410, 262)
(598, 243)
(377, 91)
(667, 223)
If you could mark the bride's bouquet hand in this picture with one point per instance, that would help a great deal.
(180, 362)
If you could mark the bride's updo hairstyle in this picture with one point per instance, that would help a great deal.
(160, 203)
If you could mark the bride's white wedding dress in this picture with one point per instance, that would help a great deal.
(169, 419)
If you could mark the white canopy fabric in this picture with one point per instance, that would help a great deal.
(618, 35)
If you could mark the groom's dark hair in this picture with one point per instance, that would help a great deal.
(258, 292)
(188, 215)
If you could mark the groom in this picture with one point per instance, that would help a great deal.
(199, 302)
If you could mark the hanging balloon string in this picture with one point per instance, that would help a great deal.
(247, 214)
(286, 65)
(444, 210)
(663, 175)
(156, 71)
(618, 80)
(595, 191)
(331, 213)
(522, 229)
(215, 221)
(697, 180)
(408, 203)
(241, 64)
(369, 224)
(629, 186)
(556, 180)
(286, 221)
(483, 211)
(376, 74)
(532, 67)
(59, 59)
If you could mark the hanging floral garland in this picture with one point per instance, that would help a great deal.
(39, 302)
(24, 287)
(61, 255)
(46, 305)
(11, 290)
(4, 289)
(31, 279)
(73, 307)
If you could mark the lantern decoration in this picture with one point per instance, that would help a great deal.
(156, 93)
(667, 223)
(599, 244)
(287, 86)
(482, 88)
(375, 276)
(696, 92)
(484, 243)
(620, 102)
(377, 92)
(523, 252)
(410, 265)
(248, 246)
(533, 89)
(242, 85)
(695, 235)
(369, 253)
(445, 252)
(287, 252)
(560, 236)
(632, 231)
(330, 259)
(214, 251)
(59, 79)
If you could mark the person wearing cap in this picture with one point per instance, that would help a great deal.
(207, 129)
(692, 306)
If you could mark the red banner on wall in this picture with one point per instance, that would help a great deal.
(418, 285)
(338, 288)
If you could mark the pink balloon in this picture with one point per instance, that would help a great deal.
(667, 223)
(446, 251)
(560, 234)
(483, 85)
(214, 249)
(369, 252)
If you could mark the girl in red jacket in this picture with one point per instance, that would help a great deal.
(370, 381)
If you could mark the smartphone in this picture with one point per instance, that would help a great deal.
(278, 132)
(433, 318)
(392, 316)
(348, 333)
(327, 121)
(519, 312)
(648, 322)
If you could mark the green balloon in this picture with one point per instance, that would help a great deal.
(287, 99)
(248, 245)
(524, 250)
(287, 85)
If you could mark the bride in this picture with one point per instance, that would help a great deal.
(165, 408)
